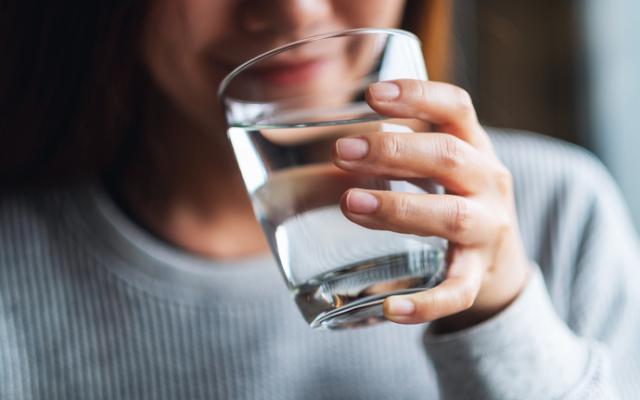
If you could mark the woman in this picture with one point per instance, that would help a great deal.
(132, 265)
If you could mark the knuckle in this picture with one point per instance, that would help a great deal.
(418, 90)
(404, 208)
(503, 225)
(449, 152)
(391, 147)
(466, 298)
(459, 217)
(463, 101)
(427, 306)
(504, 181)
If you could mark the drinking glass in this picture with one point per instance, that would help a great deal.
(285, 109)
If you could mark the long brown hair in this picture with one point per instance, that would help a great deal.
(72, 88)
(69, 80)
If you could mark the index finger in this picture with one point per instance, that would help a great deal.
(446, 105)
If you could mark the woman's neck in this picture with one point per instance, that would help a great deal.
(185, 188)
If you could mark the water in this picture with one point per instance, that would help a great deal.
(338, 271)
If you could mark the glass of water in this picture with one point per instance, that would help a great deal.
(285, 110)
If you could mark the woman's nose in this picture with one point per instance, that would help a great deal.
(296, 16)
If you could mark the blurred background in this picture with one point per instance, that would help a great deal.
(566, 68)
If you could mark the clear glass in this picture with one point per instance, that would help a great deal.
(285, 109)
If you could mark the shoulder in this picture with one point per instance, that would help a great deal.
(28, 239)
(534, 157)
(554, 176)
(572, 216)
(25, 215)
(36, 240)
(34, 227)
(551, 172)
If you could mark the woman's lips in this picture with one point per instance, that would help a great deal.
(288, 73)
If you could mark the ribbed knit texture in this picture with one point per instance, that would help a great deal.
(92, 307)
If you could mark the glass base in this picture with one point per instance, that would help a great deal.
(357, 314)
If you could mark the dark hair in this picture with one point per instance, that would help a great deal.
(72, 86)
(69, 80)
(414, 14)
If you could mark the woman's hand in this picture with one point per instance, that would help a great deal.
(488, 266)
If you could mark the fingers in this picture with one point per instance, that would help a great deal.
(446, 105)
(457, 293)
(458, 219)
(451, 161)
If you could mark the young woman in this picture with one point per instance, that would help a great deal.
(131, 265)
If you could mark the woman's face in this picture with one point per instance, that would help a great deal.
(190, 45)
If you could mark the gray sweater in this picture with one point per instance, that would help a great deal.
(93, 307)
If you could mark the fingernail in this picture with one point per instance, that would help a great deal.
(360, 202)
(350, 149)
(385, 91)
(400, 306)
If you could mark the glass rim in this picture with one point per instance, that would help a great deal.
(224, 84)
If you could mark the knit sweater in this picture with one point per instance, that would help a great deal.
(94, 307)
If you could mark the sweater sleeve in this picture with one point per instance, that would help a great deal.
(526, 352)
(572, 333)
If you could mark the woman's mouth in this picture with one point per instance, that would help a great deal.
(288, 73)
